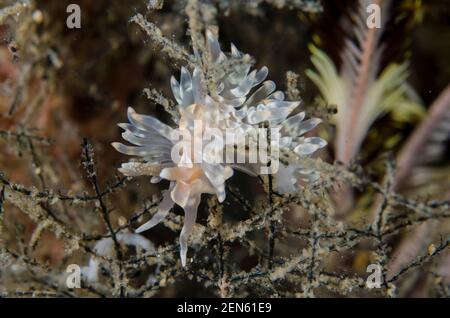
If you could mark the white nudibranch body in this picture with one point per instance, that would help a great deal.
(229, 107)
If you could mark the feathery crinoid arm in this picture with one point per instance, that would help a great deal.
(428, 138)
(361, 91)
